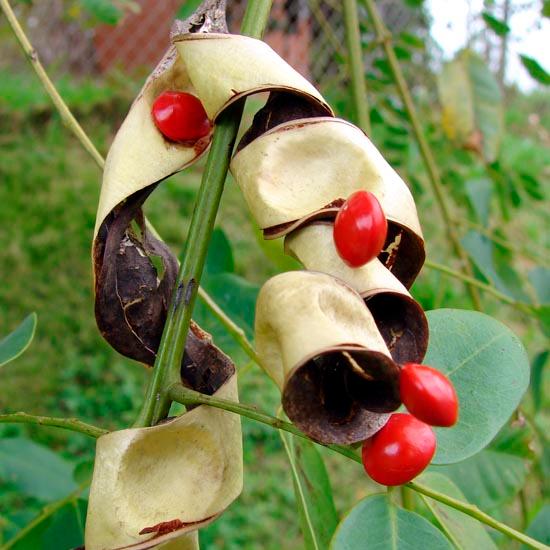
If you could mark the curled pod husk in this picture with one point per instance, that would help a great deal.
(132, 294)
(399, 318)
(154, 485)
(321, 346)
(249, 66)
(304, 169)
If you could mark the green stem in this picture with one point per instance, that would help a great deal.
(355, 64)
(475, 512)
(45, 514)
(525, 308)
(384, 36)
(407, 498)
(186, 396)
(32, 56)
(235, 330)
(71, 424)
(166, 371)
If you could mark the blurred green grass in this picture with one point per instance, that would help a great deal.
(48, 196)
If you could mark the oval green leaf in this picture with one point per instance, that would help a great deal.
(540, 526)
(489, 368)
(15, 343)
(487, 479)
(312, 490)
(376, 523)
(465, 532)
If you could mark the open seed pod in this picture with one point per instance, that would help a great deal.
(320, 344)
(399, 318)
(249, 66)
(304, 169)
(153, 485)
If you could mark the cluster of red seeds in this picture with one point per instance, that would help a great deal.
(406, 444)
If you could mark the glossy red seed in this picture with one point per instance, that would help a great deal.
(428, 394)
(399, 451)
(360, 229)
(180, 116)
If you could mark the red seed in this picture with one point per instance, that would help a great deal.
(429, 395)
(399, 451)
(360, 229)
(180, 117)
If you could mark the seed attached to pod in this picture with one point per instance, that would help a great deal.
(428, 394)
(360, 229)
(180, 116)
(399, 451)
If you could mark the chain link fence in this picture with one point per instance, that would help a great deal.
(309, 34)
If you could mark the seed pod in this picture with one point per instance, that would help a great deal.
(153, 485)
(303, 170)
(399, 318)
(320, 344)
(249, 66)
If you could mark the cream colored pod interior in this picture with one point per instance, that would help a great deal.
(320, 344)
(304, 169)
(165, 481)
(399, 318)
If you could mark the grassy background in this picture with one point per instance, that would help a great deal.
(48, 195)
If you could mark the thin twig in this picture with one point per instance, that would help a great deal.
(525, 308)
(186, 396)
(71, 424)
(356, 66)
(235, 330)
(475, 512)
(32, 56)
(384, 36)
(45, 514)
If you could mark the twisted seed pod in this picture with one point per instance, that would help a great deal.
(399, 318)
(154, 485)
(159, 473)
(304, 169)
(320, 344)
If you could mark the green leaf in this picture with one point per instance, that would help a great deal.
(412, 40)
(540, 527)
(375, 523)
(494, 268)
(103, 10)
(15, 343)
(539, 277)
(532, 187)
(465, 532)
(545, 12)
(543, 315)
(64, 530)
(496, 25)
(487, 479)
(35, 470)
(220, 255)
(472, 104)
(312, 490)
(537, 373)
(187, 9)
(490, 370)
(479, 192)
(535, 69)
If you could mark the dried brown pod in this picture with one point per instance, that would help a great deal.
(399, 318)
(320, 344)
(304, 169)
(155, 485)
